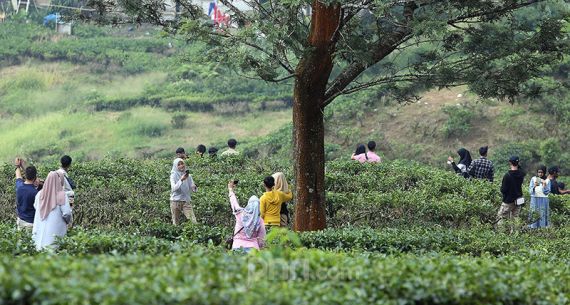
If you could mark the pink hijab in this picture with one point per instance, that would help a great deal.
(52, 194)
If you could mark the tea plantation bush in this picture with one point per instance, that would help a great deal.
(205, 276)
(399, 233)
(120, 193)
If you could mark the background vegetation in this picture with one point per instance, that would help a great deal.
(121, 99)
(400, 233)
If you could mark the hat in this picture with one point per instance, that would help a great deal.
(180, 150)
(514, 159)
(483, 150)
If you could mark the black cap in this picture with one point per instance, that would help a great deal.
(180, 150)
(514, 159)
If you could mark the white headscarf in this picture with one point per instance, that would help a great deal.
(176, 175)
(251, 218)
(175, 170)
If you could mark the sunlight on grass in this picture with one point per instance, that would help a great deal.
(132, 133)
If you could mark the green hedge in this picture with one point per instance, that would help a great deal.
(119, 193)
(205, 276)
(476, 241)
(14, 242)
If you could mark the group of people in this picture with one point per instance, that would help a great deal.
(363, 156)
(212, 151)
(44, 207)
(252, 221)
(541, 185)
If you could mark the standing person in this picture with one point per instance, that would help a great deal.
(212, 152)
(553, 173)
(282, 186)
(511, 189)
(482, 168)
(464, 162)
(249, 231)
(25, 196)
(53, 212)
(562, 188)
(201, 150)
(231, 151)
(181, 153)
(360, 154)
(69, 185)
(271, 201)
(372, 156)
(181, 185)
(539, 189)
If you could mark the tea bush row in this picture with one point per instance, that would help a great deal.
(553, 243)
(119, 193)
(205, 276)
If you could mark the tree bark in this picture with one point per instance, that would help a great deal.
(312, 73)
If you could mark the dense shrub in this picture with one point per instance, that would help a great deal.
(458, 122)
(15, 242)
(203, 276)
(131, 193)
(100, 242)
(476, 241)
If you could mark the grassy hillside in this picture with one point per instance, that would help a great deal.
(47, 109)
(122, 91)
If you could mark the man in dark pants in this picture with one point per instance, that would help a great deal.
(511, 189)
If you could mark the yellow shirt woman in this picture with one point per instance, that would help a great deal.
(270, 206)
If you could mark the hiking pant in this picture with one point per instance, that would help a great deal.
(181, 207)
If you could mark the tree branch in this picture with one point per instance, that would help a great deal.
(284, 65)
(383, 49)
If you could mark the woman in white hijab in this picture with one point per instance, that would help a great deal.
(53, 212)
(249, 231)
(181, 186)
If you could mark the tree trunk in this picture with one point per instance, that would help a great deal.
(312, 73)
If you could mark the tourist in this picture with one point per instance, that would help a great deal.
(181, 185)
(360, 154)
(482, 168)
(212, 152)
(26, 192)
(249, 231)
(282, 186)
(511, 189)
(553, 173)
(181, 153)
(372, 156)
(464, 162)
(539, 189)
(231, 151)
(68, 186)
(53, 212)
(271, 201)
(201, 150)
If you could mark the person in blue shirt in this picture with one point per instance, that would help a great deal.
(26, 190)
